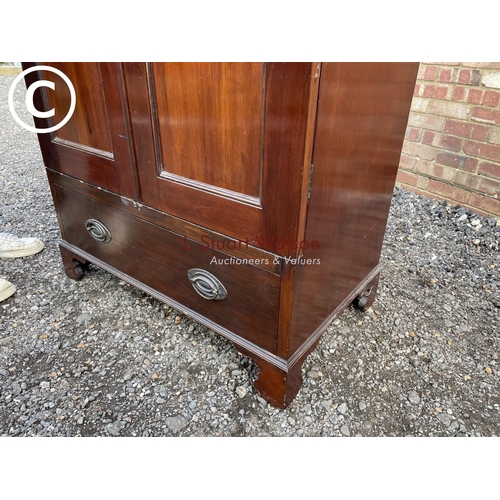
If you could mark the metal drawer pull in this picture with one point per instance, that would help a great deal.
(98, 231)
(206, 284)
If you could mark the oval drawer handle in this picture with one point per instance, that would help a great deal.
(98, 231)
(206, 284)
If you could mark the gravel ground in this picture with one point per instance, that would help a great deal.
(100, 358)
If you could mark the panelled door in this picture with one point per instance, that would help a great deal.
(94, 145)
(222, 144)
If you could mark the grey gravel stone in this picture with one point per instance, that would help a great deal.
(345, 430)
(444, 418)
(161, 390)
(342, 408)
(327, 404)
(413, 397)
(241, 391)
(83, 318)
(115, 428)
(177, 423)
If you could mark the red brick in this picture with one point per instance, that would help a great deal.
(490, 169)
(486, 151)
(479, 132)
(420, 150)
(449, 159)
(487, 65)
(457, 110)
(486, 114)
(434, 170)
(474, 96)
(435, 92)
(417, 89)
(439, 172)
(413, 134)
(475, 77)
(464, 76)
(445, 75)
(441, 92)
(484, 185)
(407, 162)
(457, 161)
(407, 177)
(450, 142)
(494, 135)
(459, 94)
(489, 205)
(428, 137)
(448, 191)
(430, 73)
(489, 186)
(469, 164)
(458, 128)
(419, 104)
(429, 91)
(412, 179)
(490, 98)
(429, 122)
(467, 180)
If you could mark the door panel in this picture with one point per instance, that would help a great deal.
(222, 145)
(209, 119)
(94, 145)
(89, 125)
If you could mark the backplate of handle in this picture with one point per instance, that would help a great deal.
(206, 284)
(98, 230)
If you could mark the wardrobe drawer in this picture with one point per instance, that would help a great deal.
(241, 298)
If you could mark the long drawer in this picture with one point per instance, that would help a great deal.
(247, 298)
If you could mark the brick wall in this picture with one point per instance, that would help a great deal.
(452, 145)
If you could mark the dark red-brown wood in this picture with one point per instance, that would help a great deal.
(95, 145)
(74, 265)
(89, 126)
(361, 121)
(210, 124)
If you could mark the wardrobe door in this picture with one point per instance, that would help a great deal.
(222, 144)
(94, 145)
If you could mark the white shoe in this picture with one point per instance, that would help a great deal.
(6, 289)
(11, 246)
